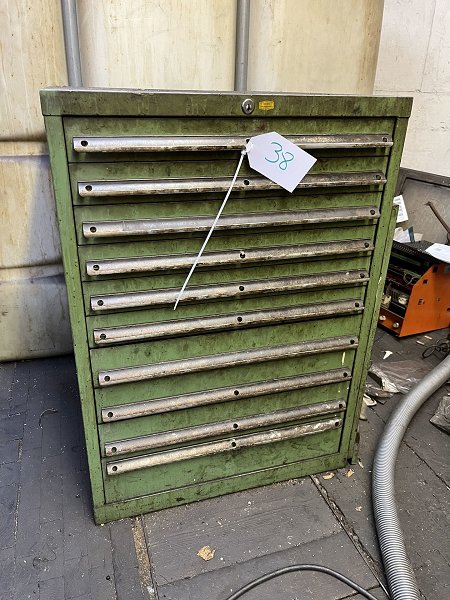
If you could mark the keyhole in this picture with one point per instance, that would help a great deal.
(248, 106)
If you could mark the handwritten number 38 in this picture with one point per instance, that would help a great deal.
(282, 157)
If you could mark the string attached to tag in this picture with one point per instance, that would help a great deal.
(233, 181)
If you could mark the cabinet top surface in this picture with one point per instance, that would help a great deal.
(66, 101)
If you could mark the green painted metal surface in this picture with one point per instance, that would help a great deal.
(281, 318)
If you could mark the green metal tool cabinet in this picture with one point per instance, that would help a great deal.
(258, 375)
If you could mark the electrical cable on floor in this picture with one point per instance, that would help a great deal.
(441, 348)
(293, 569)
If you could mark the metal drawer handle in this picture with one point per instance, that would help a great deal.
(120, 228)
(141, 143)
(114, 266)
(144, 187)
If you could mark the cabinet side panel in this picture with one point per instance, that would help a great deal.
(380, 261)
(61, 186)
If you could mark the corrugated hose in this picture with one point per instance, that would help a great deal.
(400, 575)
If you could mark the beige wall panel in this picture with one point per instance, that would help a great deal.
(436, 76)
(414, 60)
(32, 57)
(34, 318)
(174, 44)
(23, 148)
(28, 229)
(325, 46)
(33, 306)
(427, 145)
(404, 44)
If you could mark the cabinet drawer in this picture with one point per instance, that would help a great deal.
(279, 371)
(135, 326)
(160, 290)
(224, 252)
(317, 393)
(97, 183)
(119, 222)
(136, 139)
(143, 225)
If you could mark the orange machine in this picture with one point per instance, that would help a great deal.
(417, 291)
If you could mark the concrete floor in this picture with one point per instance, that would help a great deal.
(50, 548)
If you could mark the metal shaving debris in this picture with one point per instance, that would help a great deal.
(368, 401)
(47, 411)
(206, 552)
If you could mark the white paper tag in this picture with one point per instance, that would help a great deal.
(278, 159)
(402, 215)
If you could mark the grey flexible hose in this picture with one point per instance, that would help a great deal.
(400, 575)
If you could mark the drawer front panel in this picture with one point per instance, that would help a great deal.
(169, 413)
(145, 225)
(116, 359)
(292, 373)
(116, 182)
(244, 313)
(159, 290)
(134, 258)
(376, 135)
(171, 171)
(187, 216)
